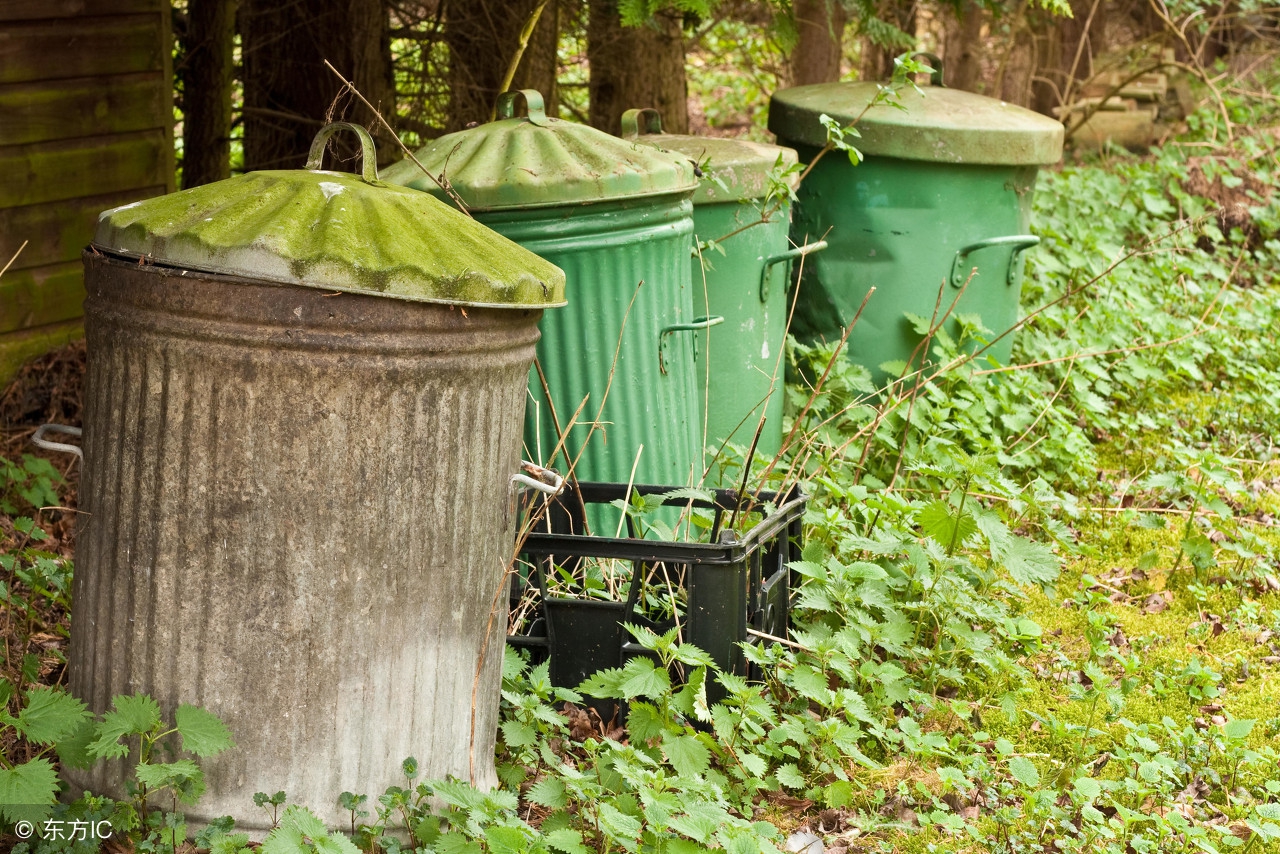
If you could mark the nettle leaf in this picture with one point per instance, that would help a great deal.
(203, 733)
(686, 753)
(1237, 729)
(941, 522)
(27, 791)
(1271, 811)
(1029, 562)
(183, 776)
(50, 715)
(505, 839)
(789, 775)
(518, 734)
(1024, 771)
(643, 678)
(301, 832)
(548, 792)
(603, 683)
(644, 722)
(566, 840)
(130, 715)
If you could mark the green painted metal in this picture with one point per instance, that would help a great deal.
(743, 280)
(628, 271)
(616, 216)
(916, 232)
(334, 231)
(937, 125)
(536, 161)
(935, 219)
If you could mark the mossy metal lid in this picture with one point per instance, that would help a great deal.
(335, 231)
(533, 161)
(941, 125)
(733, 170)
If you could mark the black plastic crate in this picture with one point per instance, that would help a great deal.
(731, 584)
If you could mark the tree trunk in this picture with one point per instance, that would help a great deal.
(1066, 58)
(819, 46)
(482, 36)
(540, 66)
(635, 67)
(206, 91)
(289, 94)
(877, 60)
(962, 50)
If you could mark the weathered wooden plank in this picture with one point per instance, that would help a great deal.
(26, 344)
(70, 169)
(66, 109)
(81, 47)
(41, 295)
(34, 10)
(58, 231)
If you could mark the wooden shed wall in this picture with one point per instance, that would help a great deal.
(86, 123)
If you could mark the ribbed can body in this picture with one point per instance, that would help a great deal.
(737, 361)
(299, 518)
(627, 277)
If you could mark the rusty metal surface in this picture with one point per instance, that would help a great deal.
(299, 517)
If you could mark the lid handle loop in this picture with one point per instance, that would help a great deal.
(368, 155)
(935, 62)
(631, 122)
(533, 106)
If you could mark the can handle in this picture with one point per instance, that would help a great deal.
(935, 62)
(533, 106)
(368, 155)
(539, 478)
(39, 441)
(795, 252)
(698, 323)
(631, 122)
(1020, 243)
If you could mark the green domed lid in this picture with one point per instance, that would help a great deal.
(941, 125)
(534, 161)
(334, 231)
(733, 170)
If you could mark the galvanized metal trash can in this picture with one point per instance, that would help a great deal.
(303, 409)
(616, 216)
(743, 206)
(945, 190)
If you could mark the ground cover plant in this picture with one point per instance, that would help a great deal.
(1038, 609)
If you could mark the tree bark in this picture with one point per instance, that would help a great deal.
(289, 94)
(206, 93)
(962, 49)
(635, 67)
(482, 36)
(540, 66)
(820, 43)
(1068, 48)
(877, 61)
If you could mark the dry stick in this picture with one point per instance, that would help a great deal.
(922, 349)
(817, 389)
(1075, 62)
(776, 639)
(509, 569)
(1071, 366)
(1159, 8)
(442, 184)
(1200, 329)
(525, 35)
(6, 267)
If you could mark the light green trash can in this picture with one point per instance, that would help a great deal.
(945, 190)
(616, 217)
(742, 278)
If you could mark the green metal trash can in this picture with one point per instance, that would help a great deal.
(617, 218)
(742, 278)
(939, 209)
